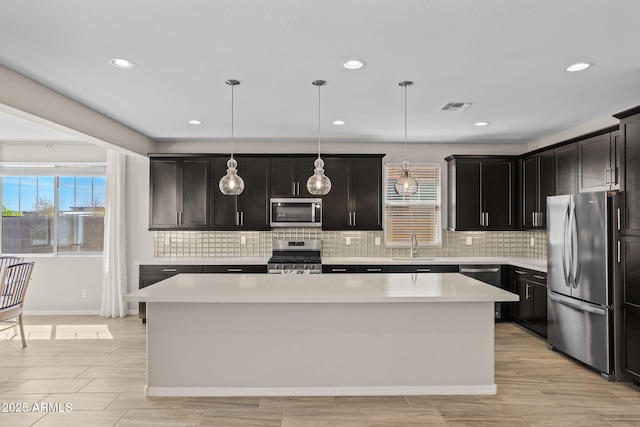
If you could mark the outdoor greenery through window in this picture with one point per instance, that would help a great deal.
(420, 213)
(52, 208)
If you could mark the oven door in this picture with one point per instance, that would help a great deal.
(296, 212)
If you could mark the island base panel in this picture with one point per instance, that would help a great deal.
(241, 349)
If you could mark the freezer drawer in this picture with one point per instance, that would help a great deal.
(580, 330)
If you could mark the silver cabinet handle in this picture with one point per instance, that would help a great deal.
(241, 218)
(234, 270)
(349, 218)
(618, 218)
(519, 272)
(423, 270)
(619, 248)
(169, 270)
(526, 292)
(482, 219)
(479, 270)
(297, 188)
(533, 215)
(338, 270)
(293, 188)
(354, 218)
(540, 277)
(486, 224)
(374, 270)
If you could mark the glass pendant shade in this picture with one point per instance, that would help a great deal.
(231, 184)
(318, 184)
(406, 185)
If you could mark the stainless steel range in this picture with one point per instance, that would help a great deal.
(295, 257)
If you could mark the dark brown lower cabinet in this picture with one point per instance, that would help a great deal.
(150, 274)
(531, 310)
(394, 268)
(631, 305)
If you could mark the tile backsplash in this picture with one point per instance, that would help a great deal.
(196, 244)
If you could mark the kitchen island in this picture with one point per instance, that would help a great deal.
(351, 334)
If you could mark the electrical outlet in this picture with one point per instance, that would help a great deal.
(348, 241)
(469, 241)
(84, 293)
(533, 241)
(377, 241)
(243, 240)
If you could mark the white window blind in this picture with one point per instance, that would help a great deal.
(420, 213)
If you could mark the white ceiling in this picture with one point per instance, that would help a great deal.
(505, 56)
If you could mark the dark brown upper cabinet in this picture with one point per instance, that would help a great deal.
(355, 199)
(289, 176)
(566, 169)
(482, 191)
(179, 193)
(599, 163)
(538, 182)
(249, 210)
(630, 171)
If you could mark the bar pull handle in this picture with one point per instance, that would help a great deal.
(519, 272)
(354, 218)
(482, 219)
(242, 218)
(619, 249)
(423, 270)
(373, 270)
(486, 223)
(293, 188)
(349, 218)
(338, 270)
(619, 218)
(539, 277)
(170, 270)
(234, 270)
(480, 270)
(526, 292)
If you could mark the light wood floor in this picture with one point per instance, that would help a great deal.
(97, 366)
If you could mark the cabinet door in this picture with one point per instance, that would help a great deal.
(630, 268)
(283, 180)
(546, 185)
(566, 169)
(468, 190)
(303, 170)
(538, 296)
(522, 311)
(253, 203)
(631, 339)
(366, 193)
(630, 185)
(224, 208)
(594, 163)
(163, 211)
(498, 194)
(617, 148)
(194, 189)
(529, 191)
(336, 209)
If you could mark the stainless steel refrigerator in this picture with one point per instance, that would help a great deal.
(582, 321)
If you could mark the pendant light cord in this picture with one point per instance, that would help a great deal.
(319, 120)
(232, 139)
(405, 122)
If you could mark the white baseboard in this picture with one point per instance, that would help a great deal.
(69, 312)
(321, 391)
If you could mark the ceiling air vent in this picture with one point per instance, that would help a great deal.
(455, 106)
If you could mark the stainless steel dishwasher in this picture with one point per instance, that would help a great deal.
(490, 274)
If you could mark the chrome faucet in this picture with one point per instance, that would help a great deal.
(414, 244)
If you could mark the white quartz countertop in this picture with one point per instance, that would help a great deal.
(538, 264)
(320, 288)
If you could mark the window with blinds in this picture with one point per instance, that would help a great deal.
(420, 213)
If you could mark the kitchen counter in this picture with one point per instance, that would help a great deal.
(311, 335)
(538, 264)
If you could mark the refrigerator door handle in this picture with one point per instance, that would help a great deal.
(575, 248)
(566, 274)
(578, 305)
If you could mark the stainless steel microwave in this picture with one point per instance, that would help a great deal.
(289, 212)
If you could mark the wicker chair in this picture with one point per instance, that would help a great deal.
(6, 260)
(14, 279)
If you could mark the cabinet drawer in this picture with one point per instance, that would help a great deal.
(169, 270)
(339, 269)
(531, 275)
(375, 269)
(234, 269)
(425, 268)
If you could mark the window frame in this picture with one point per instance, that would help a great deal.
(407, 202)
(55, 169)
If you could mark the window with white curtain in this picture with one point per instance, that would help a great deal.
(420, 213)
(52, 207)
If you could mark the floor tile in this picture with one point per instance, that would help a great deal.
(242, 417)
(162, 417)
(297, 417)
(308, 402)
(51, 386)
(81, 419)
(83, 401)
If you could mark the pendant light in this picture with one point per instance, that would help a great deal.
(231, 184)
(406, 185)
(318, 184)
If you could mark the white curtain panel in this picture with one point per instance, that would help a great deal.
(114, 282)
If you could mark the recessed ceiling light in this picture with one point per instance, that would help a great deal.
(481, 123)
(122, 63)
(578, 66)
(339, 122)
(353, 64)
(195, 122)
